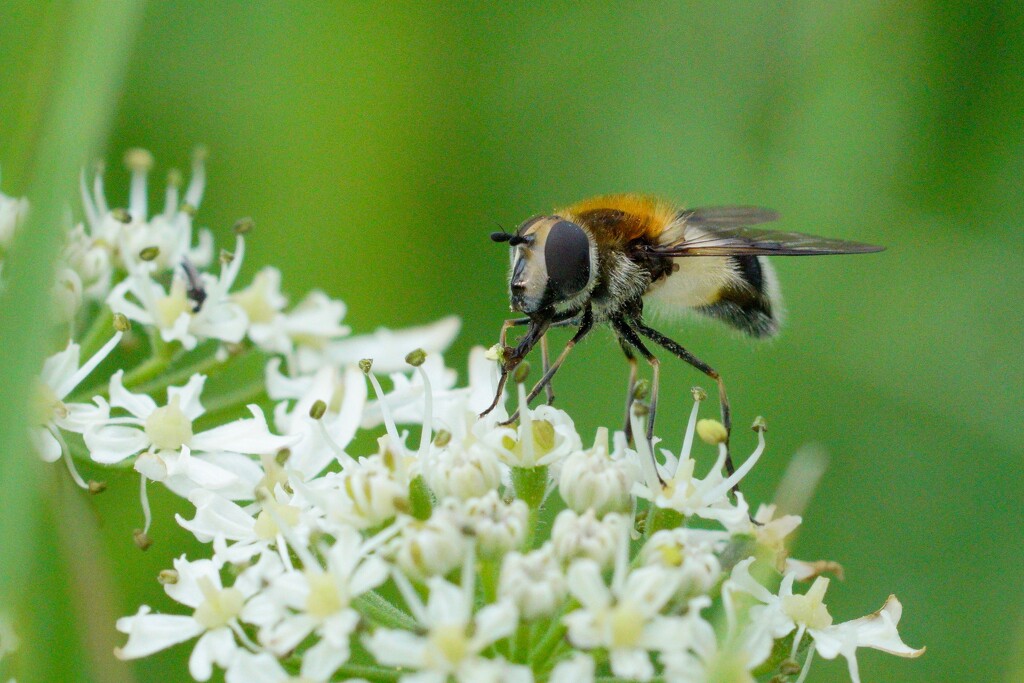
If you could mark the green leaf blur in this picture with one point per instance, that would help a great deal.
(376, 146)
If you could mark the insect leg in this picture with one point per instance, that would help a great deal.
(629, 334)
(513, 357)
(549, 390)
(630, 388)
(680, 352)
(586, 325)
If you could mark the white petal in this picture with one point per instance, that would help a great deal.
(321, 661)
(633, 664)
(45, 444)
(215, 647)
(587, 585)
(494, 622)
(82, 416)
(251, 436)
(215, 515)
(579, 669)
(114, 443)
(392, 647)
(59, 367)
(259, 668)
(188, 396)
(149, 633)
(139, 405)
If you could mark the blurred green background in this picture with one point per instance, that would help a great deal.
(377, 145)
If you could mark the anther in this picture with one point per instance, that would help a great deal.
(522, 371)
(167, 577)
(712, 432)
(121, 215)
(244, 225)
(698, 394)
(121, 322)
(317, 410)
(97, 487)
(641, 389)
(442, 438)
(416, 358)
(760, 425)
(141, 539)
(365, 365)
(149, 253)
(138, 159)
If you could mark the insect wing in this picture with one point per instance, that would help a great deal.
(724, 231)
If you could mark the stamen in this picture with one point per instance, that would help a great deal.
(389, 424)
(344, 458)
(147, 513)
(647, 463)
(691, 428)
(173, 187)
(428, 411)
(807, 665)
(68, 460)
(99, 198)
(74, 380)
(196, 184)
(269, 504)
(90, 209)
(741, 471)
(138, 161)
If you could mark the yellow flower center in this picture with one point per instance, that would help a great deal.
(220, 606)
(626, 623)
(45, 405)
(450, 640)
(255, 299)
(324, 597)
(169, 308)
(809, 609)
(168, 428)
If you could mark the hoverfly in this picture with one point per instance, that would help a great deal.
(602, 260)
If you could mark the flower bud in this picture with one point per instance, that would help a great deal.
(585, 535)
(593, 480)
(498, 526)
(431, 548)
(534, 582)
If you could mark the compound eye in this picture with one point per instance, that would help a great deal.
(567, 257)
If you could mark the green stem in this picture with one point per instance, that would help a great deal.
(369, 672)
(659, 518)
(530, 483)
(521, 644)
(552, 638)
(383, 613)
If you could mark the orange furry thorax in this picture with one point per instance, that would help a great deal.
(622, 218)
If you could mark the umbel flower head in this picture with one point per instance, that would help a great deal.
(459, 548)
(461, 581)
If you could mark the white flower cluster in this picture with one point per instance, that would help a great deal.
(465, 550)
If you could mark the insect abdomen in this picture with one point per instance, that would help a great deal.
(750, 302)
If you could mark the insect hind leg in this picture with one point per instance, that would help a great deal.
(627, 333)
(630, 387)
(680, 352)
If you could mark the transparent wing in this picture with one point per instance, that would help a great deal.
(725, 231)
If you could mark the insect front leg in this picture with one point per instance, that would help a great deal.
(723, 400)
(626, 332)
(586, 325)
